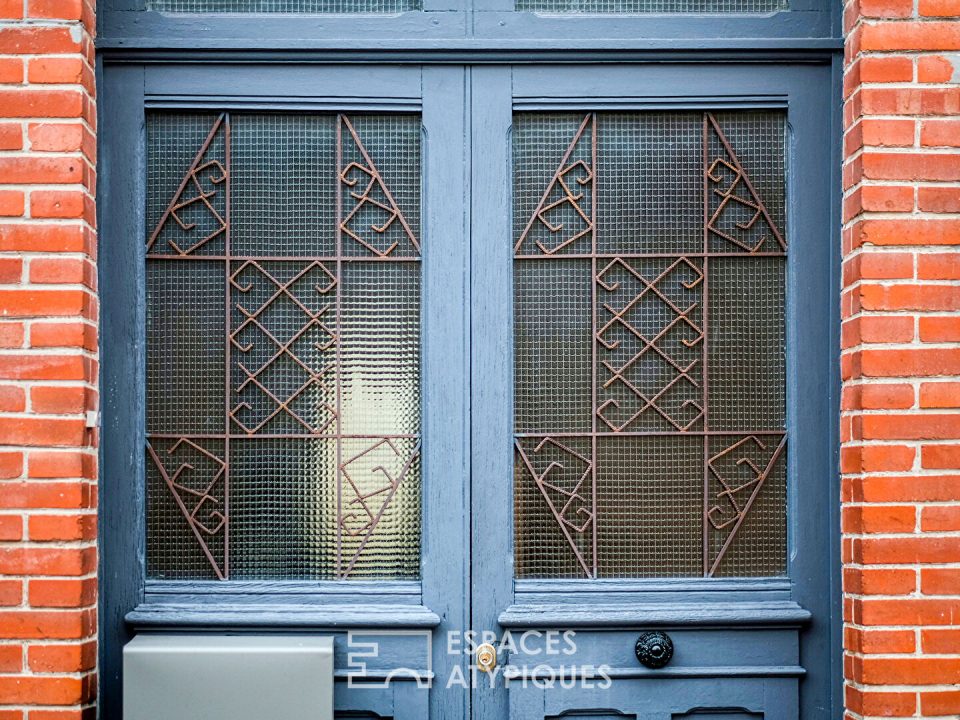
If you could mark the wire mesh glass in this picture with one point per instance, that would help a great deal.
(338, 7)
(283, 346)
(649, 344)
(653, 6)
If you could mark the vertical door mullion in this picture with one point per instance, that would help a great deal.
(446, 382)
(492, 364)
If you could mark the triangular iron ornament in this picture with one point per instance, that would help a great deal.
(371, 216)
(196, 479)
(734, 211)
(196, 214)
(367, 486)
(737, 474)
(564, 214)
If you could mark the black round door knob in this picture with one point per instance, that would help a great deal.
(654, 649)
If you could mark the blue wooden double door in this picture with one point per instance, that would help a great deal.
(517, 379)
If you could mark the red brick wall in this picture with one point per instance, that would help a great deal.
(48, 361)
(901, 358)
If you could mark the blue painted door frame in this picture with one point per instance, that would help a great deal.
(785, 631)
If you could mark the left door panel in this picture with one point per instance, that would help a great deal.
(272, 447)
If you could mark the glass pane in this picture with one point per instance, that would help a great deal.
(653, 6)
(650, 359)
(340, 7)
(283, 346)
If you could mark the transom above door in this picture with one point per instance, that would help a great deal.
(492, 349)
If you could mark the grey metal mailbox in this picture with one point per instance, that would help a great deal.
(222, 677)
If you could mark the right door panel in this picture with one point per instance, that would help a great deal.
(669, 270)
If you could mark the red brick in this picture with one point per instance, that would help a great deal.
(940, 702)
(26, 170)
(939, 8)
(47, 561)
(893, 426)
(940, 328)
(11, 9)
(912, 671)
(11, 269)
(911, 166)
(879, 581)
(886, 8)
(11, 528)
(938, 200)
(879, 519)
(940, 133)
(33, 690)
(11, 465)
(37, 40)
(62, 658)
(906, 611)
(61, 464)
(940, 395)
(887, 133)
(57, 204)
(939, 266)
(41, 103)
(940, 518)
(55, 9)
(934, 69)
(886, 69)
(887, 458)
(939, 581)
(43, 367)
(41, 238)
(11, 658)
(11, 334)
(910, 232)
(64, 70)
(886, 396)
(55, 137)
(55, 495)
(12, 398)
(42, 303)
(11, 70)
(916, 549)
(879, 642)
(42, 624)
(63, 334)
(11, 135)
(887, 198)
(888, 704)
(903, 297)
(58, 400)
(935, 36)
(38, 432)
(11, 203)
(901, 363)
(940, 457)
(65, 593)
(65, 528)
(909, 488)
(60, 270)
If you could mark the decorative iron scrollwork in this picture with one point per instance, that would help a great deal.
(650, 336)
(282, 345)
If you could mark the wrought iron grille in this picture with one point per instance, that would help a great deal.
(283, 330)
(649, 310)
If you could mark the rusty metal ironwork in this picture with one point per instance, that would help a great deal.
(205, 513)
(571, 506)
(675, 288)
(271, 367)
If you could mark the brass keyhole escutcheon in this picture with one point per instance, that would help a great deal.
(486, 657)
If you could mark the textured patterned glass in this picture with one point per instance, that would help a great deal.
(339, 7)
(649, 344)
(283, 346)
